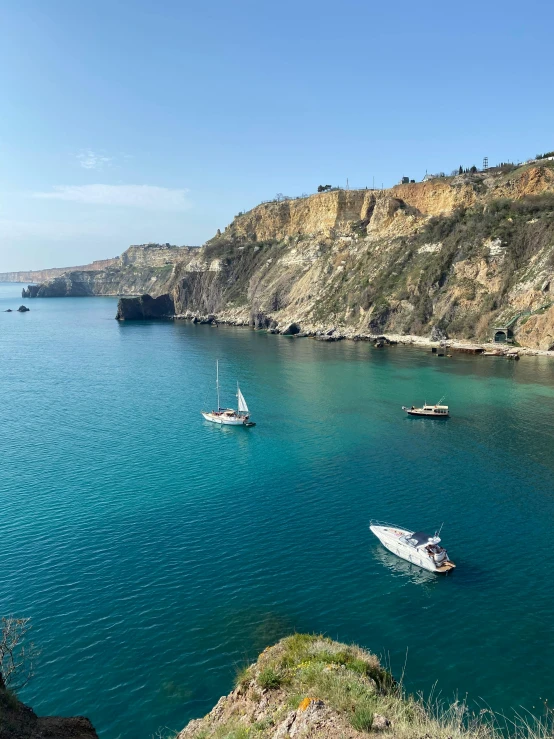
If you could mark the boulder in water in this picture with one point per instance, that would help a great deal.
(30, 292)
(23, 309)
(290, 329)
(144, 308)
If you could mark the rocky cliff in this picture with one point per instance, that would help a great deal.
(310, 686)
(18, 721)
(139, 256)
(140, 269)
(41, 275)
(454, 256)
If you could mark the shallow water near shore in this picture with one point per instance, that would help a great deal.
(156, 552)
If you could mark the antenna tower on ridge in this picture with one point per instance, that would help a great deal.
(485, 164)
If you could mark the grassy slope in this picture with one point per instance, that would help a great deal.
(319, 687)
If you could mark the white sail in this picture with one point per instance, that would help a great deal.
(243, 408)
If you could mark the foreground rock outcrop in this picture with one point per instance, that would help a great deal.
(18, 721)
(309, 687)
(305, 686)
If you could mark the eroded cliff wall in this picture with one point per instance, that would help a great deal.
(456, 256)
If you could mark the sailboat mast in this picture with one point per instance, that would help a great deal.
(217, 381)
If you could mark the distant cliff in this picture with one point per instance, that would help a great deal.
(142, 255)
(41, 275)
(140, 269)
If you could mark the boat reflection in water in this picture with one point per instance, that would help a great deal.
(402, 568)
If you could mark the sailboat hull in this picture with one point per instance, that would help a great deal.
(225, 419)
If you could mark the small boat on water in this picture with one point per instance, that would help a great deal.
(416, 547)
(229, 416)
(429, 411)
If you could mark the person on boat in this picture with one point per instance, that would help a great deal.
(412, 408)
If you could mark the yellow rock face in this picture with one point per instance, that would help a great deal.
(538, 331)
(373, 261)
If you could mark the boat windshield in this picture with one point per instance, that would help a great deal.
(416, 539)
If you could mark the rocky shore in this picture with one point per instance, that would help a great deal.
(333, 333)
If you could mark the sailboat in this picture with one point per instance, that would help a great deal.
(228, 416)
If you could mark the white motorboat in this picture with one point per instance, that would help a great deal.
(414, 546)
(428, 411)
(228, 416)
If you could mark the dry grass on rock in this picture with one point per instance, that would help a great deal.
(308, 686)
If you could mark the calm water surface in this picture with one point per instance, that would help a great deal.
(156, 552)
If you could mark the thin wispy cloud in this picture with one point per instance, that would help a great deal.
(14, 230)
(89, 159)
(129, 196)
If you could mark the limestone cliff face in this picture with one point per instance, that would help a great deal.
(142, 256)
(331, 214)
(112, 281)
(153, 255)
(455, 255)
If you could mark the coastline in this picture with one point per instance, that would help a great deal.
(333, 333)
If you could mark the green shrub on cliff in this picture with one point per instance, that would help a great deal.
(269, 679)
(362, 718)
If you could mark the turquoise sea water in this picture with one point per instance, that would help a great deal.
(156, 552)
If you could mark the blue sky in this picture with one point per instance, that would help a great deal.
(131, 121)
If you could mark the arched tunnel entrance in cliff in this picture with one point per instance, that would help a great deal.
(503, 335)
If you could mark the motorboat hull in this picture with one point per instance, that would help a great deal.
(390, 538)
(425, 414)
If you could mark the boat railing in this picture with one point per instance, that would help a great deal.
(375, 522)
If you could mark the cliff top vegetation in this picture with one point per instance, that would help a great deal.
(310, 686)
